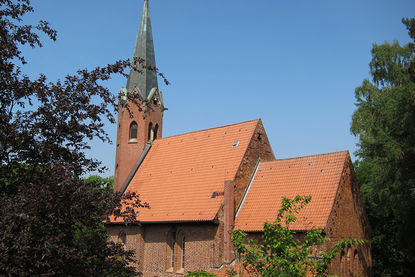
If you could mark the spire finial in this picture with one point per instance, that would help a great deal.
(144, 48)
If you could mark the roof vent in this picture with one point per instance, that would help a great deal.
(217, 193)
(235, 143)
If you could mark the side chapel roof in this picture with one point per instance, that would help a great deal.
(180, 173)
(318, 176)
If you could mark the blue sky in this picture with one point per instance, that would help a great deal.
(294, 64)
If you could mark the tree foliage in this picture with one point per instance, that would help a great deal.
(200, 273)
(51, 221)
(281, 252)
(103, 183)
(384, 122)
(55, 226)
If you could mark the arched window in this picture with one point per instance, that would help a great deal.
(133, 131)
(183, 250)
(342, 260)
(173, 243)
(122, 238)
(355, 263)
(150, 131)
(348, 265)
(156, 129)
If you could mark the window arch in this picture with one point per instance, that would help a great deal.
(183, 250)
(348, 265)
(133, 131)
(122, 238)
(172, 246)
(342, 268)
(156, 129)
(355, 263)
(150, 131)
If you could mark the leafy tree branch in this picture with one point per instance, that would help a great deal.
(281, 252)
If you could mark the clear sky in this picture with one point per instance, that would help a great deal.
(294, 64)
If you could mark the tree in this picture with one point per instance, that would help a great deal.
(106, 184)
(51, 221)
(280, 253)
(55, 226)
(384, 122)
(200, 273)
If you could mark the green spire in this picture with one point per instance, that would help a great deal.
(144, 48)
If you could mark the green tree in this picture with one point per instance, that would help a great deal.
(51, 221)
(280, 253)
(384, 123)
(106, 184)
(200, 273)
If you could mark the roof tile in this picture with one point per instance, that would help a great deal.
(318, 176)
(180, 173)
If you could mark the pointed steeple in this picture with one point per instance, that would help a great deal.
(144, 48)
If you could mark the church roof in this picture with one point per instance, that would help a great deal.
(146, 80)
(318, 176)
(180, 173)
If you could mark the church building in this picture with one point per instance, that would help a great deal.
(200, 185)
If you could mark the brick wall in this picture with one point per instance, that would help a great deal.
(153, 242)
(259, 147)
(128, 151)
(134, 238)
(347, 220)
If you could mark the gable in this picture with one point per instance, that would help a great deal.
(318, 176)
(348, 219)
(180, 173)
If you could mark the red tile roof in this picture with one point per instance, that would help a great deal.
(180, 173)
(318, 176)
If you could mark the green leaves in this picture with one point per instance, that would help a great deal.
(200, 273)
(384, 122)
(389, 65)
(282, 252)
(51, 222)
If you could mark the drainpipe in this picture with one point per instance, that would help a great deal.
(228, 207)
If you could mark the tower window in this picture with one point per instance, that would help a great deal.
(133, 131)
(156, 128)
(150, 131)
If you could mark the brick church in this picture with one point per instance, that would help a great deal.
(202, 184)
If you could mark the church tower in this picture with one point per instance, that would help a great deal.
(138, 123)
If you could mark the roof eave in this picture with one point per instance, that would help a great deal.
(178, 221)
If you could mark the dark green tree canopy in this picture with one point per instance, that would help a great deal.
(384, 122)
(51, 221)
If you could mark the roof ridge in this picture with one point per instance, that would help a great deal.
(212, 128)
(307, 156)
